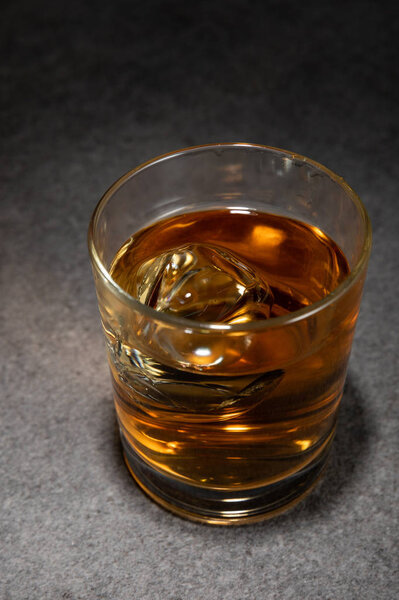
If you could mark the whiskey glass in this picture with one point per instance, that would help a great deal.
(228, 423)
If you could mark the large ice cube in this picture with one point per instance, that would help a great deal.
(205, 283)
(201, 397)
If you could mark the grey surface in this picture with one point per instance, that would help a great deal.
(90, 91)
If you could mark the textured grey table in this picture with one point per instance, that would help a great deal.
(90, 91)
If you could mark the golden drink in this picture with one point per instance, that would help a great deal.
(237, 413)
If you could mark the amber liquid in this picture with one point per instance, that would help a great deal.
(268, 408)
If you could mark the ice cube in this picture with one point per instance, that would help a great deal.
(203, 282)
(200, 397)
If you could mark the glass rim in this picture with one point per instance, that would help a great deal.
(286, 319)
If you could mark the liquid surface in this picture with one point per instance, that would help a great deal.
(229, 411)
(225, 266)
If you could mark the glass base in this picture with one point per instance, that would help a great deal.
(221, 507)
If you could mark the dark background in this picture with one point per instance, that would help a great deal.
(90, 90)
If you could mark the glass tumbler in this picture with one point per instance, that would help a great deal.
(229, 422)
